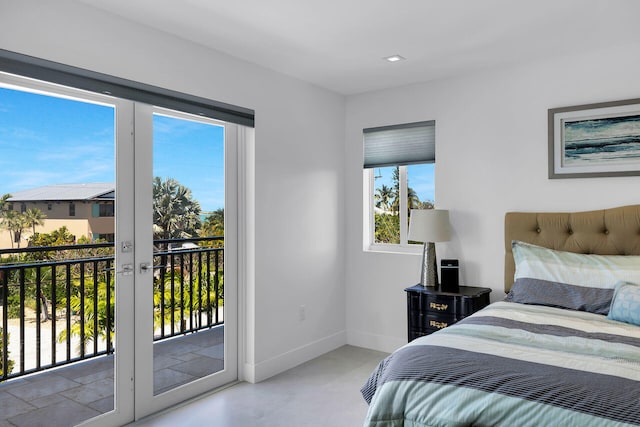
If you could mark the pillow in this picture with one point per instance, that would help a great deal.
(569, 280)
(625, 306)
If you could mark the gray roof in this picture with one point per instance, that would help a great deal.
(52, 193)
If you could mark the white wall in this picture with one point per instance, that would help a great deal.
(491, 133)
(299, 166)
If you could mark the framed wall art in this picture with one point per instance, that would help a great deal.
(595, 140)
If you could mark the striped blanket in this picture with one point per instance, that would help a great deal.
(512, 365)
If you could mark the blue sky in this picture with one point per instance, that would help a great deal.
(192, 153)
(46, 140)
(420, 177)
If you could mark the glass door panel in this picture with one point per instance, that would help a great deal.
(59, 287)
(184, 258)
(188, 266)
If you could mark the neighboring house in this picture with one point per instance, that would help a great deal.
(85, 209)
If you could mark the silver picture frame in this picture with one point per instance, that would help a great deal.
(595, 140)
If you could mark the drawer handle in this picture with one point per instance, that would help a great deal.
(439, 307)
(439, 325)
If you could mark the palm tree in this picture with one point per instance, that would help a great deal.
(106, 324)
(14, 222)
(175, 212)
(34, 217)
(383, 197)
(4, 202)
(413, 201)
(213, 225)
(395, 178)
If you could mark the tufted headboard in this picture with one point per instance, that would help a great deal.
(613, 231)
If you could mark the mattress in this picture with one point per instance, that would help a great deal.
(511, 365)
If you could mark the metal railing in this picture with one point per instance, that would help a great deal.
(190, 280)
(57, 302)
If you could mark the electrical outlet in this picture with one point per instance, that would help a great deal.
(302, 313)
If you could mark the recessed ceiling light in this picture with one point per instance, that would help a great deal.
(394, 58)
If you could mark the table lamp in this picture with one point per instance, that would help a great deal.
(429, 226)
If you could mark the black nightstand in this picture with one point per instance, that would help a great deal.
(429, 310)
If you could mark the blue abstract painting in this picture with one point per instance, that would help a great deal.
(601, 141)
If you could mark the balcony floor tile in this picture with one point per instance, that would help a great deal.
(49, 400)
(65, 413)
(82, 390)
(52, 384)
(199, 366)
(88, 393)
(11, 406)
(215, 351)
(102, 405)
(166, 379)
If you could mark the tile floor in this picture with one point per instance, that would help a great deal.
(321, 392)
(324, 392)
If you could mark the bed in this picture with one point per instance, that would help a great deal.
(562, 349)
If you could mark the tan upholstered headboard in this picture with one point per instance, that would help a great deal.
(604, 232)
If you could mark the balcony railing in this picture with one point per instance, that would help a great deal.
(57, 302)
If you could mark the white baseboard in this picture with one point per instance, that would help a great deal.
(382, 343)
(270, 367)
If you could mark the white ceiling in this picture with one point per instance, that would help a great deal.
(339, 44)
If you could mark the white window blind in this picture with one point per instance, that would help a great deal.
(397, 145)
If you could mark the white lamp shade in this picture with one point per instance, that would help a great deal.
(429, 225)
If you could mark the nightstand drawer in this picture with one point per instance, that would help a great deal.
(438, 321)
(424, 320)
(444, 304)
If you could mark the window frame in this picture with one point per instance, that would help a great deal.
(370, 244)
(397, 145)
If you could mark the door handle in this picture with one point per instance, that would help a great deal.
(127, 270)
(145, 266)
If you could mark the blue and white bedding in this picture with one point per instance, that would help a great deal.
(510, 365)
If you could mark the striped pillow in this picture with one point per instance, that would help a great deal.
(569, 280)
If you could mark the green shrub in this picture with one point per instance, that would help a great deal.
(10, 362)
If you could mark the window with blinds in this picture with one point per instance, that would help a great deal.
(399, 164)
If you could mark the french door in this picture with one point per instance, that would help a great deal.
(185, 335)
(172, 279)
